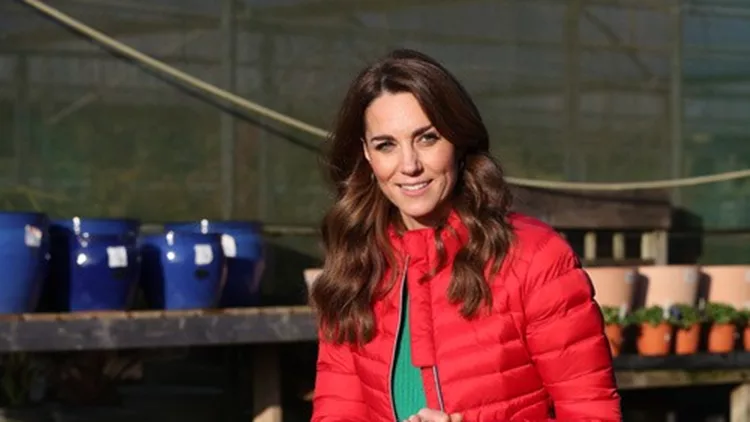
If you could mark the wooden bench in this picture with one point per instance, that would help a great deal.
(262, 330)
(597, 221)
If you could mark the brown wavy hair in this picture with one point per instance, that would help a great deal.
(355, 229)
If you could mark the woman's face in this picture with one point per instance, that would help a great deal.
(414, 166)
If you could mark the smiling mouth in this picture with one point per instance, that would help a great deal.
(413, 187)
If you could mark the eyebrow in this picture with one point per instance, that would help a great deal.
(414, 134)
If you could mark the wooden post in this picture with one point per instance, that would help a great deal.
(618, 246)
(266, 384)
(654, 245)
(739, 407)
(661, 252)
(589, 246)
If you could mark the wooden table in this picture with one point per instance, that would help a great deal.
(148, 329)
(260, 329)
(265, 328)
(703, 369)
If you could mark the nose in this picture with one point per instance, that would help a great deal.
(410, 163)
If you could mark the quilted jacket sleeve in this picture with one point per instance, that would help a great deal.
(565, 336)
(338, 392)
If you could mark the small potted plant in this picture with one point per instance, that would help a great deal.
(655, 331)
(744, 323)
(614, 320)
(723, 319)
(743, 326)
(686, 320)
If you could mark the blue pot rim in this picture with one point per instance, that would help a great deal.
(221, 224)
(124, 240)
(83, 220)
(180, 234)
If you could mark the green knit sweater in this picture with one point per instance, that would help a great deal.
(408, 391)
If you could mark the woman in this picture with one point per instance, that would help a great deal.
(436, 303)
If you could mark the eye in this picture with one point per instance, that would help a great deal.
(383, 146)
(429, 137)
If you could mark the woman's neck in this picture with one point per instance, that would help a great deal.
(432, 220)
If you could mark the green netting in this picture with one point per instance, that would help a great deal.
(570, 90)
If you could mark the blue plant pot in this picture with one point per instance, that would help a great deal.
(94, 273)
(182, 270)
(24, 254)
(94, 264)
(243, 245)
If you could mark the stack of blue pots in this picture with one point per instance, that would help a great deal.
(243, 247)
(97, 264)
(182, 270)
(94, 264)
(24, 253)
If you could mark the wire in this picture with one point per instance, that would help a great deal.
(623, 186)
(162, 67)
(195, 83)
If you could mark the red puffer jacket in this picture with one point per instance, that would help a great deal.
(543, 346)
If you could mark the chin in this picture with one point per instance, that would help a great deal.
(416, 210)
(418, 213)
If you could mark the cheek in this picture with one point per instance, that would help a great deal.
(445, 164)
(382, 167)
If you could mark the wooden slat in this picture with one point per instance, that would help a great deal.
(589, 246)
(697, 362)
(612, 262)
(125, 330)
(630, 210)
(155, 314)
(618, 246)
(637, 380)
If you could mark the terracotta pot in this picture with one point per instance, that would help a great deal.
(670, 284)
(728, 284)
(687, 339)
(654, 340)
(614, 335)
(721, 338)
(746, 338)
(613, 286)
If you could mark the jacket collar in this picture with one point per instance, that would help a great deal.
(420, 247)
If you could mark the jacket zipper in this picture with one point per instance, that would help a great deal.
(435, 375)
(395, 344)
(438, 391)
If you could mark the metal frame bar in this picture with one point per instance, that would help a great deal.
(228, 130)
(572, 162)
(676, 99)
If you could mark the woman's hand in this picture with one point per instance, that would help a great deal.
(429, 415)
